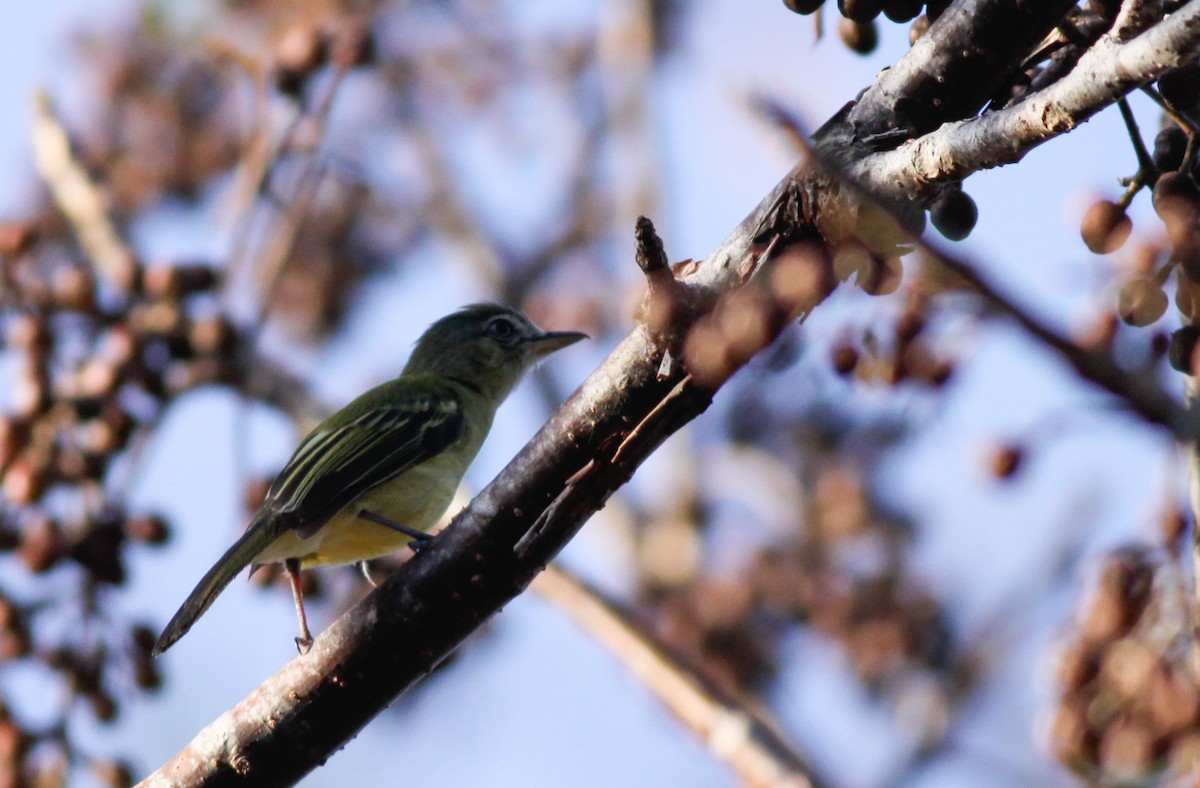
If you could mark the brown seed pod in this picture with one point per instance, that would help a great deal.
(954, 214)
(861, 11)
(156, 319)
(149, 529)
(1182, 349)
(1170, 144)
(119, 347)
(104, 706)
(31, 392)
(910, 323)
(14, 437)
(1105, 227)
(858, 37)
(1141, 302)
(935, 8)
(99, 551)
(254, 492)
(1006, 460)
(28, 332)
(803, 6)
(1173, 700)
(902, 10)
(112, 774)
(353, 45)
(212, 336)
(844, 358)
(41, 545)
(1069, 737)
(74, 289)
(1126, 749)
(147, 676)
(1177, 202)
(883, 276)
(939, 372)
(27, 477)
(1180, 88)
(17, 237)
(1075, 667)
(919, 27)
(72, 465)
(170, 282)
(184, 376)
(143, 637)
(303, 47)
(14, 743)
(1173, 527)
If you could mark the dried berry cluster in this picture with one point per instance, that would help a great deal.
(893, 632)
(857, 27)
(94, 366)
(96, 359)
(1129, 698)
(908, 354)
(1171, 171)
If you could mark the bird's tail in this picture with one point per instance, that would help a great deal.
(257, 536)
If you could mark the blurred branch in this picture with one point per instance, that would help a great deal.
(1192, 452)
(1138, 391)
(80, 199)
(732, 728)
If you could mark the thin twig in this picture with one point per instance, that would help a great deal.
(1147, 172)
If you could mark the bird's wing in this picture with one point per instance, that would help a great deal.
(337, 463)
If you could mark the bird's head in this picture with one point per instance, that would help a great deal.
(485, 346)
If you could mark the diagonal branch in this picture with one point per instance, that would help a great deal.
(956, 66)
(731, 727)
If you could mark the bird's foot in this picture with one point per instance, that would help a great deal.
(419, 538)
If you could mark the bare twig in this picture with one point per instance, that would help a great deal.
(80, 199)
(732, 728)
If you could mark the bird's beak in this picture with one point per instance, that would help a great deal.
(549, 341)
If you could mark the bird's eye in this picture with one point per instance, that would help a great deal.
(502, 329)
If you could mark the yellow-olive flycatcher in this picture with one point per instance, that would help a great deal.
(381, 471)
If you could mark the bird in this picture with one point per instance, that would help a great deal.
(377, 474)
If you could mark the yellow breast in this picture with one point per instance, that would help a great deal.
(416, 498)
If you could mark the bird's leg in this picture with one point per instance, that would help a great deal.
(419, 538)
(364, 569)
(304, 642)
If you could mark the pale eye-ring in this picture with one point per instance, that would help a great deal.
(502, 329)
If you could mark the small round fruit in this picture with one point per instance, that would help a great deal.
(1105, 227)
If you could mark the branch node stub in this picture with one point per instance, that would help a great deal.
(651, 257)
(665, 307)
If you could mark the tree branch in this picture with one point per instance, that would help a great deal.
(956, 66)
(1105, 73)
(731, 728)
